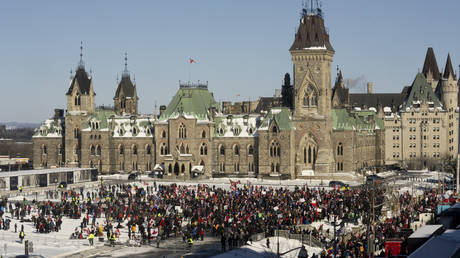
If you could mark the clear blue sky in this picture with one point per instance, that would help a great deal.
(241, 46)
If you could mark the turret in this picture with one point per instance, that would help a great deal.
(125, 100)
(449, 86)
(312, 57)
(80, 95)
(430, 69)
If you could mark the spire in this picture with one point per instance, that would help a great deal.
(449, 70)
(126, 72)
(430, 65)
(312, 34)
(81, 64)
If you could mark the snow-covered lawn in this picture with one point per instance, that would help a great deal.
(260, 249)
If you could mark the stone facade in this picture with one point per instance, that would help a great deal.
(300, 134)
(424, 130)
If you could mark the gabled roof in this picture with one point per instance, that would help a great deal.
(421, 92)
(449, 70)
(311, 34)
(281, 116)
(266, 103)
(339, 92)
(430, 64)
(376, 99)
(127, 85)
(193, 102)
(84, 81)
(355, 120)
(101, 115)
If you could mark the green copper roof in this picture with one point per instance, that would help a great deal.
(421, 92)
(282, 117)
(191, 102)
(355, 120)
(101, 115)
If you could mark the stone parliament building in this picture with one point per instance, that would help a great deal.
(313, 129)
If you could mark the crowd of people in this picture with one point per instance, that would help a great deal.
(235, 214)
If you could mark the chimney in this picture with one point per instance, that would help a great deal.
(369, 88)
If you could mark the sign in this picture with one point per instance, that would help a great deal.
(155, 232)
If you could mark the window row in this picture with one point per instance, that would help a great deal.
(236, 150)
(121, 149)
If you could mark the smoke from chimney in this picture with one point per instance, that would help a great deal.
(356, 83)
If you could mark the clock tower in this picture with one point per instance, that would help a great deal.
(312, 55)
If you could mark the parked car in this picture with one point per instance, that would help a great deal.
(132, 176)
(152, 174)
(337, 183)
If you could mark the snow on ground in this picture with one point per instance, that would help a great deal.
(48, 245)
(259, 249)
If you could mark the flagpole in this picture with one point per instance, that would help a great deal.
(189, 71)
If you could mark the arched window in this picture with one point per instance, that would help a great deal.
(148, 149)
(275, 149)
(123, 102)
(44, 150)
(121, 149)
(272, 168)
(134, 149)
(310, 98)
(275, 130)
(92, 150)
(236, 150)
(163, 149)
(340, 149)
(182, 170)
(75, 133)
(277, 167)
(314, 155)
(203, 149)
(182, 131)
(134, 131)
(250, 150)
(309, 155)
(222, 150)
(163, 134)
(182, 149)
(77, 100)
(305, 155)
(170, 168)
(203, 134)
(98, 150)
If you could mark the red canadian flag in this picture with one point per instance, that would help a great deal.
(155, 232)
(192, 61)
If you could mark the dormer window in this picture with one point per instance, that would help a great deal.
(275, 130)
(236, 131)
(134, 131)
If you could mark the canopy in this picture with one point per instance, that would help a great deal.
(159, 167)
(198, 169)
